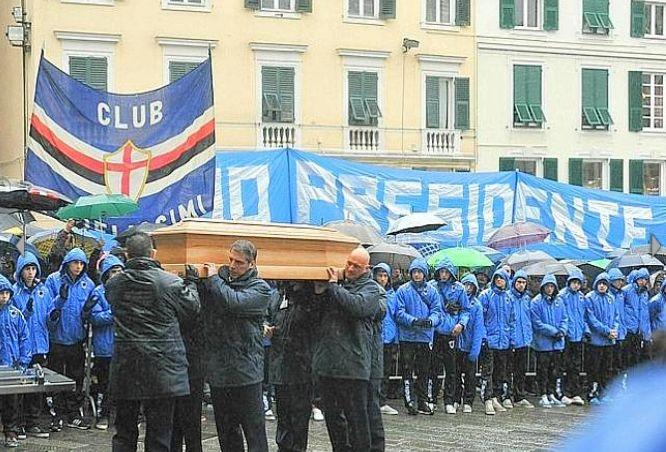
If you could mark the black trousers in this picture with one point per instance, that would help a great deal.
(9, 411)
(388, 389)
(187, 419)
(345, 404)
(68, 360)
(633, 350)
(100, 371)
(293, 404)
(415, 359)
(502, 360)
(486, 365)
(600, 361)
(159, 424)
(518, 390)
(444, 355)
(618, 358)
(572, 385)
(377, 436)
(548, 371)
(240, 408)
(466, 385)
(33, 404)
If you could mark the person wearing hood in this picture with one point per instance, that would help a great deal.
(15, 351)
(574, 301)
(98, 312)
(616, 279)
(499, 320)
(637, 317)
(469, 344)
(656, 308)
(70, 288)
(418, 312)
(34, 300)
(381, 273)
(454, 318)
(550, 325)
(521, 340)
(603, 320)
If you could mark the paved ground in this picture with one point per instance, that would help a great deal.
(520, 429)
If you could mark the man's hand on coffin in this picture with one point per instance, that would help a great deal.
(191, 274)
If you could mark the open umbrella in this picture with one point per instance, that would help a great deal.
(630, 261)
(461, 257)
(592, 269)
(518, 234)
(394, 254)
(425, 244)
(546, 267)
(416, 222)
(83, 238)
(491, 253)
(96, 207)
(22, 195)
(524, 258)
(365, 234)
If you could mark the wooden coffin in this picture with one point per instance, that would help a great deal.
(284, 251)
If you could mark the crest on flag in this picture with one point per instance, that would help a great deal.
(126, 170)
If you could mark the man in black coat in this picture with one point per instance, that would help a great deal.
(235, 305)
(149, 366)
(343, 355)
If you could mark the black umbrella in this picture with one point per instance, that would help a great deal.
(22, 195)
(630, 261)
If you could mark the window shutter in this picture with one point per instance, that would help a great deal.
(551, 15)
(77, 69)
(635, 101)
(462, 103)
(370, 94)
(357, 114)
(432, 102)
(616, 175)
(576, 172)
(507, 164)
(519, 84)
(588, 90)
(286, 93)
(304, 6)
(637, 18)
(507, 13)
(601, 89)
(636, 177)
(253, 4)
(387, 9)
(550, 169)
(463, 14)
(269, 88)
(92, 71)
(178, 69)
(534, 92)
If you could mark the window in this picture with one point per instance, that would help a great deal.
(440, 11)
(654, 19)
(178, 69)
(527, 110)
(593, 176)
(653, 101)
(363, 8)
(277, 93)
(186, 2)
(526, 166)
(652, 178)
(595, 17)
(528, 13)
(363, 107)
(93, 71)
(595, 100)
(278, 5)
(437, 102)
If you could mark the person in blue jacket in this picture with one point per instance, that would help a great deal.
(499, 321)
(550, 326)
(97, 311)
(603, 321)
(637, 318)
(418, 312)
(35, 302)
(616, 279)
(455, 315)
(382, 274)
(574, 301)
(657, 312)
(15, 352)
(469, 344)
(70, 288)
(521, 341)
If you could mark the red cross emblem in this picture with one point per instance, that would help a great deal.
(126, 170)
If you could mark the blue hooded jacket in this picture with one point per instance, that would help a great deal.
(15, 347)
(68, 328)
(575, 304)
(36, 313)
(389, 327)
(615, 274)
(455, 305)
(101, 316)
(601, 314)
(636, 315)
(522, 333)
(498, 313)
(417, 301)
(549, 319)
(657, 312)
(471, 338)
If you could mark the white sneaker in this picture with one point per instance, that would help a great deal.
(467, 408)
(566, 400)
(450, 409)
(507, 404)
(269, 416)
(578, 401)
(317, 415)
(498, 406)
(544, 402)
(525, 404)
(555, 402)
(386, 409)
(490, 411)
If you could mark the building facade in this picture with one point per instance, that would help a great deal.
(381, 81)
(573, 91)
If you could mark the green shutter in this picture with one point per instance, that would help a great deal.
(507, 13)
(77, 69)
(285, 85)
(635, 101)
(550, 169)
(178, 69)
(616, 175)
(387, 9)
(462, 103)
(595, 97)
(463, 13)
(370, 97)
(270, 100)
(92, 71)
(551, 15)
(636, 177)
(432, 102)
(507, 164)
(576, 172)
(253, 4)
(304, 6)
(534, 93)
(520, 94)
(637, 18)
(363, 107)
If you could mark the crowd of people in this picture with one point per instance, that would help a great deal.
(158, 340)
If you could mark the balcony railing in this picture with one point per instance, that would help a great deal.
(440, 141)
(363, 139)
(277, 135)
